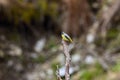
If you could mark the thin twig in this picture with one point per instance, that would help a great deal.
(67, 61)
(57, 73)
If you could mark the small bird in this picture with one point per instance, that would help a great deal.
(66, 37)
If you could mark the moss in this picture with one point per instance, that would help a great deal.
(39, 59)
(116, 68)
(86, 75)
(83, 66)
(29, 11)
(54, 65)
(98, 66)
(43, 5)
(112, 33)
(115, 42)
(52, 10)
(91, 73)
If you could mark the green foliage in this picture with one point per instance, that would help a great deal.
(116, 68)
(17, 14)
(53, 10)
(91, 73)
(42, 4)
(86, 75)
(27, 15)
(54, 65)
(115, 42)
(112, 33)
(39, 59)
(49, 8)
(28, 11)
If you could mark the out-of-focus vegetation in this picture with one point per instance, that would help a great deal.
(30, 43)
(26, 11)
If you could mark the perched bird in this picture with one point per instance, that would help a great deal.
(66, 37)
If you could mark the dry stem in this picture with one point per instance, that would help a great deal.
(58, 75)
(67, 61)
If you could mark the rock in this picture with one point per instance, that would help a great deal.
(15, 50)
(90, 38)
(39, 45)
(60, 58)
(10, 63)
(1, 53)
(18, 67)
(76, 58)
(34, 55)
(89, 60)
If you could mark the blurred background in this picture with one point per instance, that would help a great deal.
(30, 39)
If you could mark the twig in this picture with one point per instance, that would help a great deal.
(67, 61)
(57, 73)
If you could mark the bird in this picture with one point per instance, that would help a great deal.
(66, 37)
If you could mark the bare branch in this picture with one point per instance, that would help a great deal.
(67, 61)
(57, 73)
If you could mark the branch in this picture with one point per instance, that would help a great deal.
(58, 75)
(67, 61)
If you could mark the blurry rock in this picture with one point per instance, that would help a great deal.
(15, 65)
(34, 55)
(33, 76)
(95, 5)
(18, 67)
(89, 60)
(60, 58)
(2, 37)
(50, 73)
(53, 50)
(36, 74)
(1, 53)
(39, 45)
(42, 74)
(15, 50)
(76, 58)
(90, 38)
(10, 63)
